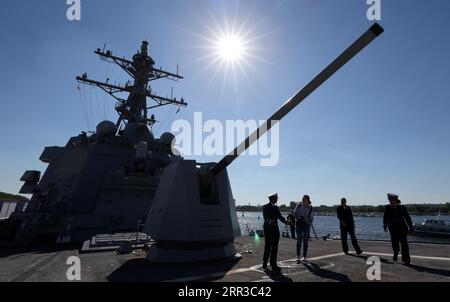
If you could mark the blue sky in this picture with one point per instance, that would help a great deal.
(379, 125)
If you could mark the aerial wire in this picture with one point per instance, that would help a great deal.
(91, 111)
(86, 106)
(83, 112)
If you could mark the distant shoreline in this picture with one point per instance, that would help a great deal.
(370, 215)
(364, 210)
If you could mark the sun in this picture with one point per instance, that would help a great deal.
(230, 48)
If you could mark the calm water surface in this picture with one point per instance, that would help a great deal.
(369, 228)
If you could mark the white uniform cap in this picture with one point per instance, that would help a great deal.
(273, 195)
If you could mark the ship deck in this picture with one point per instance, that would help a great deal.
(327, 263)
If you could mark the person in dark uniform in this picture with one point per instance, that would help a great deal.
(398, 221)
(347, 226)
(291, 221)
(271, 215)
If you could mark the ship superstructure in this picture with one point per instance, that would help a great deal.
(103, 182)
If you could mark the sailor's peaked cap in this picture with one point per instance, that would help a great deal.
(392, 195)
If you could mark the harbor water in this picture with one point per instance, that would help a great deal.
(367, 228)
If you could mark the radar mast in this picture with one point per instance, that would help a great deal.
(142, 71)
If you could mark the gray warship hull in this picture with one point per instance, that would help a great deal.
(91, 185)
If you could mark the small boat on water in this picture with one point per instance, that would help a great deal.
(433, 227)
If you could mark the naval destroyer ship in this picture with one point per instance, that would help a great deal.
(102, 182)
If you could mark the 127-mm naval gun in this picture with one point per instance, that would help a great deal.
(193, 216)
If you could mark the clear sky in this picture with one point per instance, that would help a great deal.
(381, 124)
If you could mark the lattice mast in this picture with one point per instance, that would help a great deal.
(142, 70)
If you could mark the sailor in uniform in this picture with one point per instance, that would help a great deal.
(271, 214)
(398, 221)
(347, 226)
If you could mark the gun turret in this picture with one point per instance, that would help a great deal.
(331, 69)
(203, 201)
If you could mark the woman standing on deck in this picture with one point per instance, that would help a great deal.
(304, 218)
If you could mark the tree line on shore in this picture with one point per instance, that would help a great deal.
(10, 197)
(414, 209)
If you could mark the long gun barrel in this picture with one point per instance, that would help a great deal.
(340, 61)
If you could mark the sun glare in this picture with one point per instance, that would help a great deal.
(230, 48)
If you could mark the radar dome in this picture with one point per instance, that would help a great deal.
(137, 132)
(106, 128)
(167, 138)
